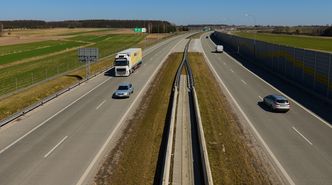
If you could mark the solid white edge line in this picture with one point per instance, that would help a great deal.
(260, 97)
(283, 171)
(56, 146)
(41, 124)
(302, 135)
(101, 104)
(100, 152)
(297, 103)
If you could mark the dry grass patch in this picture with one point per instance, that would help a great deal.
(232, 159)
(134, 160)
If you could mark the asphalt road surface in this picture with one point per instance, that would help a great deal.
(298, 141)
(64, 141)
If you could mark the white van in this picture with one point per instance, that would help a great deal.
(219, 48)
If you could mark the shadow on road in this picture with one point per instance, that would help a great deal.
(318, 106)
(266, 108)
(110, 72)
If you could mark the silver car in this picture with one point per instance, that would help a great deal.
(124, 90)
(277, 102)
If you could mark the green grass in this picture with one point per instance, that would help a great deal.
(26, 51)
(84, 32)
(307, 42)
(25, 74)
(89, 38)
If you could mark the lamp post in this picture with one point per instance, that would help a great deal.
(255, 34)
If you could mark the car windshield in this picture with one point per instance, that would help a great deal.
(121, 62)
(123, 87)
(282, 101)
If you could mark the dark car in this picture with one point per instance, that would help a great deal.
(124, 90)
(277, 102)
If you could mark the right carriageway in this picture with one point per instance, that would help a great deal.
(299, 141)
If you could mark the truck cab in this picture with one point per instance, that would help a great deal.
(121, 65)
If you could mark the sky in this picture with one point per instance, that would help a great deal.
(180, 12)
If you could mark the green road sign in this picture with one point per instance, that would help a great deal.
(140, 30)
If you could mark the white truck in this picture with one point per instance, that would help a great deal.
(127, 61)
(219, 48)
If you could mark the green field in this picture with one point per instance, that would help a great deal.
(19, 52)
(307, 42)
(14, 77)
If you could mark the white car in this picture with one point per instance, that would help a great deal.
(277, 102)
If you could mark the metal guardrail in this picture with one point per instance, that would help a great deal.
(207, 175)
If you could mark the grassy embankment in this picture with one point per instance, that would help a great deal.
(135, 159)
(232, 160)
(308, 42)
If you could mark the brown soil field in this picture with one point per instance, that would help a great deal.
(36, 35)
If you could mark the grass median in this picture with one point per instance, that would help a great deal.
(134, 161)
(231, 158)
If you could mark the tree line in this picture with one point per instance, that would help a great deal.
(153, 26)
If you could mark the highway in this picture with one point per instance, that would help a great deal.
(299, 142)
(65, 140)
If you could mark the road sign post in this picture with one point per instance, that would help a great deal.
(88, 55)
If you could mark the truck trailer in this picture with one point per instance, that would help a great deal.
(127, 61)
